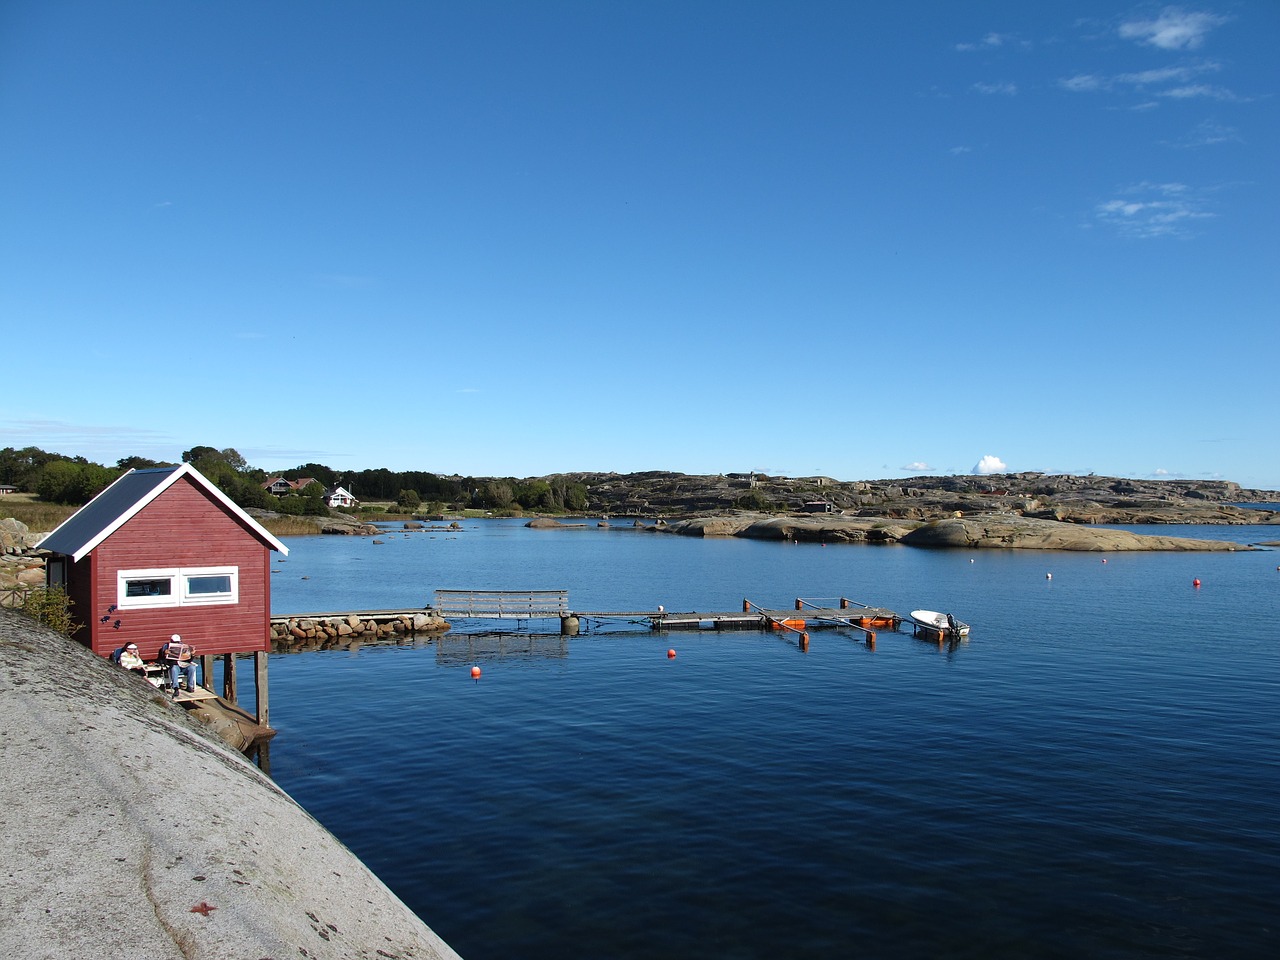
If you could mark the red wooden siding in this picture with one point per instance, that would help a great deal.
(183, 527)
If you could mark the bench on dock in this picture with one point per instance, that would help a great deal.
(502, 604)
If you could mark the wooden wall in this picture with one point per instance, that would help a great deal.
(183, 527)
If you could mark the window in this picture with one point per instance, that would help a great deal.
(210, 585)
(177, 587)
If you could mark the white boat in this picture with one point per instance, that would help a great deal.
(938, 626)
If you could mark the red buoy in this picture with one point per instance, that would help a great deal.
(1195, 582)
(671, 654)
(475, 673)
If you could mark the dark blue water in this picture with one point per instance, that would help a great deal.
(1096, 772)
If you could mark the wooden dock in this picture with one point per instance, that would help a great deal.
(516, 609)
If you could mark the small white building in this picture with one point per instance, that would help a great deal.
(340, 497)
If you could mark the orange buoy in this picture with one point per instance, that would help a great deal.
(671, 654)
(475, 673)
(1195, 582)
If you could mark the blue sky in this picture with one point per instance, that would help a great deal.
(496, 238)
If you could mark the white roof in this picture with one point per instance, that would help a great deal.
(115, 506)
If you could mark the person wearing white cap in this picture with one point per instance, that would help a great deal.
(181, 658)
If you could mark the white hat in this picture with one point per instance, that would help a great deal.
(176, 638)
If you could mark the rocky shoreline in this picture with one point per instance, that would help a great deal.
(1023, 510)
(981, 531)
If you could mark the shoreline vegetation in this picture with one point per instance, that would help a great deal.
(1023, 510)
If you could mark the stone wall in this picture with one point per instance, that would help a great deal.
(296, 634)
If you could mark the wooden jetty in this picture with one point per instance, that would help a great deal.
(517, 608)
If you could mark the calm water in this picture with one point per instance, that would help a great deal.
(1095, 773)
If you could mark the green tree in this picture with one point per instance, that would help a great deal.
(65, 481)
(325, 475)
(137, 463)
(408, 500)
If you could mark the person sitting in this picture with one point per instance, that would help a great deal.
(130, 659)
(181, 659)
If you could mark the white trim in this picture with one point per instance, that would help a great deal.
(185, 470)
(167, 599)
(179, 593)
(231, 595)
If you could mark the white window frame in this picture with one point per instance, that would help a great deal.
(204, 599)
(179, 587)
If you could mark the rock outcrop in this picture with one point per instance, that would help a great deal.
(1009, 531)
(1005, 530)
(1076, 499)
(128, 831)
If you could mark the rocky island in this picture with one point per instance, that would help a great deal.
(1024, 510)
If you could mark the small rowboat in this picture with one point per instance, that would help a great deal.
(938, 626)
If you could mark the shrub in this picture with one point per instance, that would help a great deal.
(50, 606)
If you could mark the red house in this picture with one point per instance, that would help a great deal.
(164, 551)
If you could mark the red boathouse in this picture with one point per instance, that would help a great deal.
(164, 551)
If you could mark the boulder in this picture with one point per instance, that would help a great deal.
(13, 536)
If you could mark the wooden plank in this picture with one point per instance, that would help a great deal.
(502, 604)
(199, 693)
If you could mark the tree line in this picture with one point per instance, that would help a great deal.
(73, 480)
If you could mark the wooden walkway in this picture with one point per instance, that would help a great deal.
(521, 606)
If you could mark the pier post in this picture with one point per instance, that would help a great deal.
(262, 706)
(206, 671)
(569, 626)
(229, 677)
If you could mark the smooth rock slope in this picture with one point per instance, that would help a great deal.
(127, 831)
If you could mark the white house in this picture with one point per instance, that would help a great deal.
(340, 497)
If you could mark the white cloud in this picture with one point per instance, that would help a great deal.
(917, 466)
(1084, 83)
(1198, 90)
(1163, 75)
(957, 151)
(1173, 29)
(993, 41)
(1181, 74)
(1152, 210)
(1005, 88)
(1208, 134)
(989, 465)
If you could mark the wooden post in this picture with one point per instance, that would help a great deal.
(260, 687)
(229, 677)
(844, 603)
(206, 671)
(799, 604)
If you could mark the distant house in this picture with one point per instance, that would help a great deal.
(818, 506)
(164, 551)
(6, 489)
(339, 497)
(282, 487)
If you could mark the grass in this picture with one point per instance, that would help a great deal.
(283, 526)
(39, 517)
